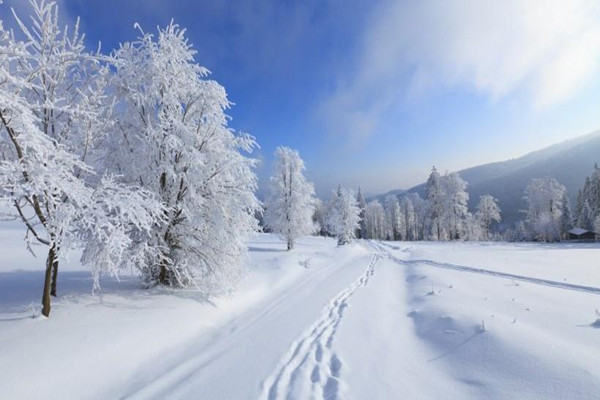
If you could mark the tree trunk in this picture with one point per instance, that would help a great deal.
(290, 244)
(47, 281)
(162, 276)
(54, 275)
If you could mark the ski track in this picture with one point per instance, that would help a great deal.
(311, 369)
(505, 275)
(180, 371)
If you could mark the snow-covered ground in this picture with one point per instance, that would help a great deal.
(368, 320)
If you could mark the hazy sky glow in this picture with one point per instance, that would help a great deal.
(372, 93)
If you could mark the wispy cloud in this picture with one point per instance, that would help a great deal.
(544, 51)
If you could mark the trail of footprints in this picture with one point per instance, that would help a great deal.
(311, 369)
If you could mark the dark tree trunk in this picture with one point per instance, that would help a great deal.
(48, 281)
(162, 275)
(54, 275)
(290, 244)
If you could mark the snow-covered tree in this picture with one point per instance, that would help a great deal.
(454, 204)
(344, 216)
(362, 205)
(521, 233)
(291, 204)
(517, 233)
(472, 228)
(594, 191)
(175, 142)
(375, 224)
(446, 205)
(394, 217)
(586, 218)
(416, 216)
(588, 201)
(435, 204)
(409, 219)
(54, 118)
(566, 217)
(544, 208)
(320, 216)
(487, 212)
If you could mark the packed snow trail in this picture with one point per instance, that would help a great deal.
(245, 351)
(483, 271)
(311, 369)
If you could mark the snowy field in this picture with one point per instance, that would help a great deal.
(366, 321)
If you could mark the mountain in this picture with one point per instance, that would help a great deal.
(568, 162)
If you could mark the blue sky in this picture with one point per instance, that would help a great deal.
(373, 93)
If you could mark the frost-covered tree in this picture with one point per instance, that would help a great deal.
(417, 216)
(586, 218)
(588, 201)
(409, 219)
(472, 228)
(518, 233)
(322, 212)
(446, 205)
(487, 213)
(362, 205)
(54, 118)
(435, 204)
(394, 217)
(566, 217)
(521, 233)
(375, 223)
(594, 191)
(544, 208)
(320, 216)
(344, 215)
(175, 142)
(291, 203)
(454, 205)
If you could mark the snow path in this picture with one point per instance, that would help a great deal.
(537, 281)
(311, 369)
(246, 350)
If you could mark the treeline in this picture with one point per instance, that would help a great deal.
(442, 215)
(587, 208)
(549, 216)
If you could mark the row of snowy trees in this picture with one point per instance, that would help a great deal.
(443, 215)
(127, 156)
(587, 209)
(549, 216)
(293, 211)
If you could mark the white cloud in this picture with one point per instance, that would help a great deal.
(543, 50)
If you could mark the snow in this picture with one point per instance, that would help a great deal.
(372, 319)
(578, 231)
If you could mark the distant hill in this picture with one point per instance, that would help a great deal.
(568, 162)
(381, 197)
